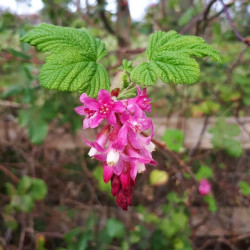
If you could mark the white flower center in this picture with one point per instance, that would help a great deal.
(104, 109)
(140, 168)
(150, 147)
(136, 127)
(112, 157)
(92, 152)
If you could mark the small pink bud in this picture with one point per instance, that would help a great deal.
(107, 173)
(125, 180)
(115, 185)
(204, 187)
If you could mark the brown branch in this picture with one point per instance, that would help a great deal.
(45, 234)
(193, 150)
(9, 104)
(9, 174)
(132, 51)
(240, 237)
(198, 18)
(103, 17)
(237, 62)
(220, 12)
(173, 155)
(233, 26)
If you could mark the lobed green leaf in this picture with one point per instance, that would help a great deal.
(169, 59)
(72, 64)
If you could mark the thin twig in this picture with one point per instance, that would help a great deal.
(45, 234)
(197, 145)
(174, 156)
(9, 104)
(198, 18)
(237, 62)
(9, 174)
(232, 24)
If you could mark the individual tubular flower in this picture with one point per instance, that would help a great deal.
(141, 100)
(95, 111)
(120, 144)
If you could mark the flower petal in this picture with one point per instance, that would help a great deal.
(90, 103)
(133, 170)
(104, 96)
(118, 107)
(95, 121)
(80, 110)
(117, 169)
(112, 118)
(122, 139)
(134, 139)
(107, 173)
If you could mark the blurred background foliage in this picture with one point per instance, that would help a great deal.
(52, 195)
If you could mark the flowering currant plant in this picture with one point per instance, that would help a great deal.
(124, 143)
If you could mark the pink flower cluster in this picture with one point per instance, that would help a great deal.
(120, 144)
(204, 187)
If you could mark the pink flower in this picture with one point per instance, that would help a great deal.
(204, 187)
(95, 111)
(141, 100)
(120, 145)
(132, 128)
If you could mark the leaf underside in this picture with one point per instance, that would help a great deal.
(169, 56)
(72, 63)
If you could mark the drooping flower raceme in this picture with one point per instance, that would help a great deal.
(120, 144)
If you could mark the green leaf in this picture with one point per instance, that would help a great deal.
(212, 206)
(72, 234)
(41, 243)
(38, 189)
(174, 139)
(115, 228)
(204, 172)
(169, 59)
(19, 54)
(223, 138)
(83, 240)
(126, 66)
(175, 223)
(127, 93)
(23, 203)
(186, 17)
(10, 189)
(244, 188)
(233, 147)
(38, 130)
(158, 177)
(72, 64)
(24, 184)
(11, 91)
(37, 126)
(98, 175)
(10, 222)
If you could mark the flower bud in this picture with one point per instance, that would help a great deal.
(125, 180)
(204, 187)
(107, 173)
(115, 185)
